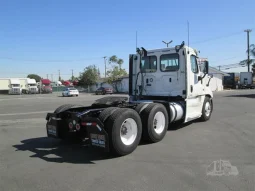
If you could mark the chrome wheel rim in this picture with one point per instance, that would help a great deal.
(128, 131)
(159, 122)
(207, 109)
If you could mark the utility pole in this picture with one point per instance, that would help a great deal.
(248, 47)
(167, 42)
(72, 74)
(58, 75)
(104, 66)
(219, 67)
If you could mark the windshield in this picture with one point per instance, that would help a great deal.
(149, 64)
(72, 89)
(15, 85)
(32, 84)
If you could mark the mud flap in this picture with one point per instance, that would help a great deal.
(52, 125)
(97, 135)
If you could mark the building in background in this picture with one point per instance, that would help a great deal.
(216, 83)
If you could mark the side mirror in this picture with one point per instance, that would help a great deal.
(206, 68)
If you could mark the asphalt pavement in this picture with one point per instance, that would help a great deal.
(215, 155)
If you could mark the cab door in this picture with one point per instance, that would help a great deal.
(195, 89)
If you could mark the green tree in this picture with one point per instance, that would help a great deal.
(115, 74)
(252, 61)
(252, 53)
(34, 76)
(115, 60)
(89, 76)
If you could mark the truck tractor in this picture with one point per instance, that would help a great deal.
(14, 86)
(165, 86)
(30, 86)
(45, 86)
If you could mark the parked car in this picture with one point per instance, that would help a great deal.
(70, 92)
(104, 91)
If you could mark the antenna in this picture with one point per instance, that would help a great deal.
(188, 35)
(167, 42)
(136, 40)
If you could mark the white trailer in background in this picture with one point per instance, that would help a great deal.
(29, 86)
(14, 86)
(4, 84)
(246, 80)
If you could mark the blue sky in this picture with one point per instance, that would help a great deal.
(46, 36)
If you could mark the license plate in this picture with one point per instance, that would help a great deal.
(52, 130)
(97, 140)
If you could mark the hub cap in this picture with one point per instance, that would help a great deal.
(207, 109)
(159, 122)
(128, 131)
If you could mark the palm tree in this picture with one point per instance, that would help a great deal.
(120, 62)
(252, 50)
(116, 60)
(252, 54)
(113, 59)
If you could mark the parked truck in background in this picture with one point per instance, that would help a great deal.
(45, 86)
(246, 80)
(231, 81)
(30, 86)
(14, 86)
(165, 86)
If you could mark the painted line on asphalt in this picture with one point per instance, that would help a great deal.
(25, 113)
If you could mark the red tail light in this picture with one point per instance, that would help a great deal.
(78, 127)
(70, 125)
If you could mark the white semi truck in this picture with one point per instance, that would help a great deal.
(14, 86)
(30, 86)
(165, 86)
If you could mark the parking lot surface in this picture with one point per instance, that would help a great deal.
(190, 157)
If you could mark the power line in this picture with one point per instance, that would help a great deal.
(224, 59)
(51, 61)
(217, 38)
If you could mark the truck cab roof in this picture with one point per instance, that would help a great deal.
(15, 81)
(31, 81)
(170, 49)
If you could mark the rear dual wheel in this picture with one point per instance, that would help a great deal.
(124, 128)
(154, 120)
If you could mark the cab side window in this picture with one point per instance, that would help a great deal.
(193, 63)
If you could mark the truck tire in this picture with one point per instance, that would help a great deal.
(141, 106)
(207, 109)
(155, 122)
(124, 128)
(64, 107)
(106, 113)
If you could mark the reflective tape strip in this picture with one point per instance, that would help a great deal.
(89, 124)
(99, 128)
